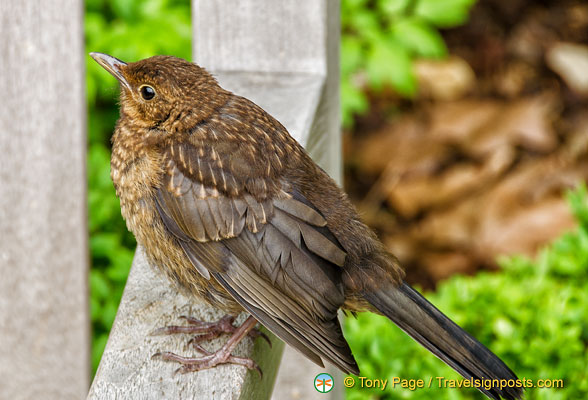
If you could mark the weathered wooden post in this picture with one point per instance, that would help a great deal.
(284, 56)
(44, 324)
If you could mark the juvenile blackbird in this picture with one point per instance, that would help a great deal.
(233, 210)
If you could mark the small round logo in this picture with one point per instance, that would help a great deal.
(323, 383)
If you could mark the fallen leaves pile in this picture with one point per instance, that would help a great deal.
(476, 166)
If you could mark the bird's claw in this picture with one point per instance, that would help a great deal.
(208, 330)
(211, 330)
(209, 360)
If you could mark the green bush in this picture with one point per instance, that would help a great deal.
(381, 38)
(533, 314)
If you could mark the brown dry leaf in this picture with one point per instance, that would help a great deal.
(441, 265)
(447, 79)
(527, 122)
(403, 246)
(486, 130)
(458, 121)
(578, 17)
(527, 209)
(534, 181)
(411, 196)
(515, 78)
(405, 150)
(576, 146)
(404, 147)
(526, 229)
(570, 61)
(453, 227)
(530, 36)
(464, 179)
(524, 199)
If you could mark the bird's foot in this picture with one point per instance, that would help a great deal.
(208, 330)
(222, 355)
(209, 360)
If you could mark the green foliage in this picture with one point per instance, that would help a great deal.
(382, 38)
(129, 30)
(532, 314)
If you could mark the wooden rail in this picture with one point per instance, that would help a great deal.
(44, 322)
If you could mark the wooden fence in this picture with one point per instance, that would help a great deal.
(281, 54)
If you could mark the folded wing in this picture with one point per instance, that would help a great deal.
(274, 256)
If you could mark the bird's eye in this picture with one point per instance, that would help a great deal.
(147, 92)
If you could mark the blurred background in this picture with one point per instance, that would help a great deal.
(466, 149)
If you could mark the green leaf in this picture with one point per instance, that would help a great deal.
(349, 6)
(419, 38)
(578, 200)
(104, 244)
(119, 270)
(444, 13)
(109, 312)
(95, 308)
(390, 63)
(393, 8)
(353, 101)
(98, 346)
(365, 24)
(352, 54)
(99, 286)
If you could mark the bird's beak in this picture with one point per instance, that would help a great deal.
(112, 65)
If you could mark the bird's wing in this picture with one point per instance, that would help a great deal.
(274, 256)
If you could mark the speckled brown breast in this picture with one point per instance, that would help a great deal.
(136, 172)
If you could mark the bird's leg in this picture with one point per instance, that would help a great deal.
(221, 356)
(208, 330)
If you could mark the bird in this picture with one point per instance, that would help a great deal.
(233, 210)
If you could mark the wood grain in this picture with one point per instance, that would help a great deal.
(44, 325)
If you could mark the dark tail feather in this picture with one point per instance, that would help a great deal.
(408, 309)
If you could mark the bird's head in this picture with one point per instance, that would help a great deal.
(164, 92)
